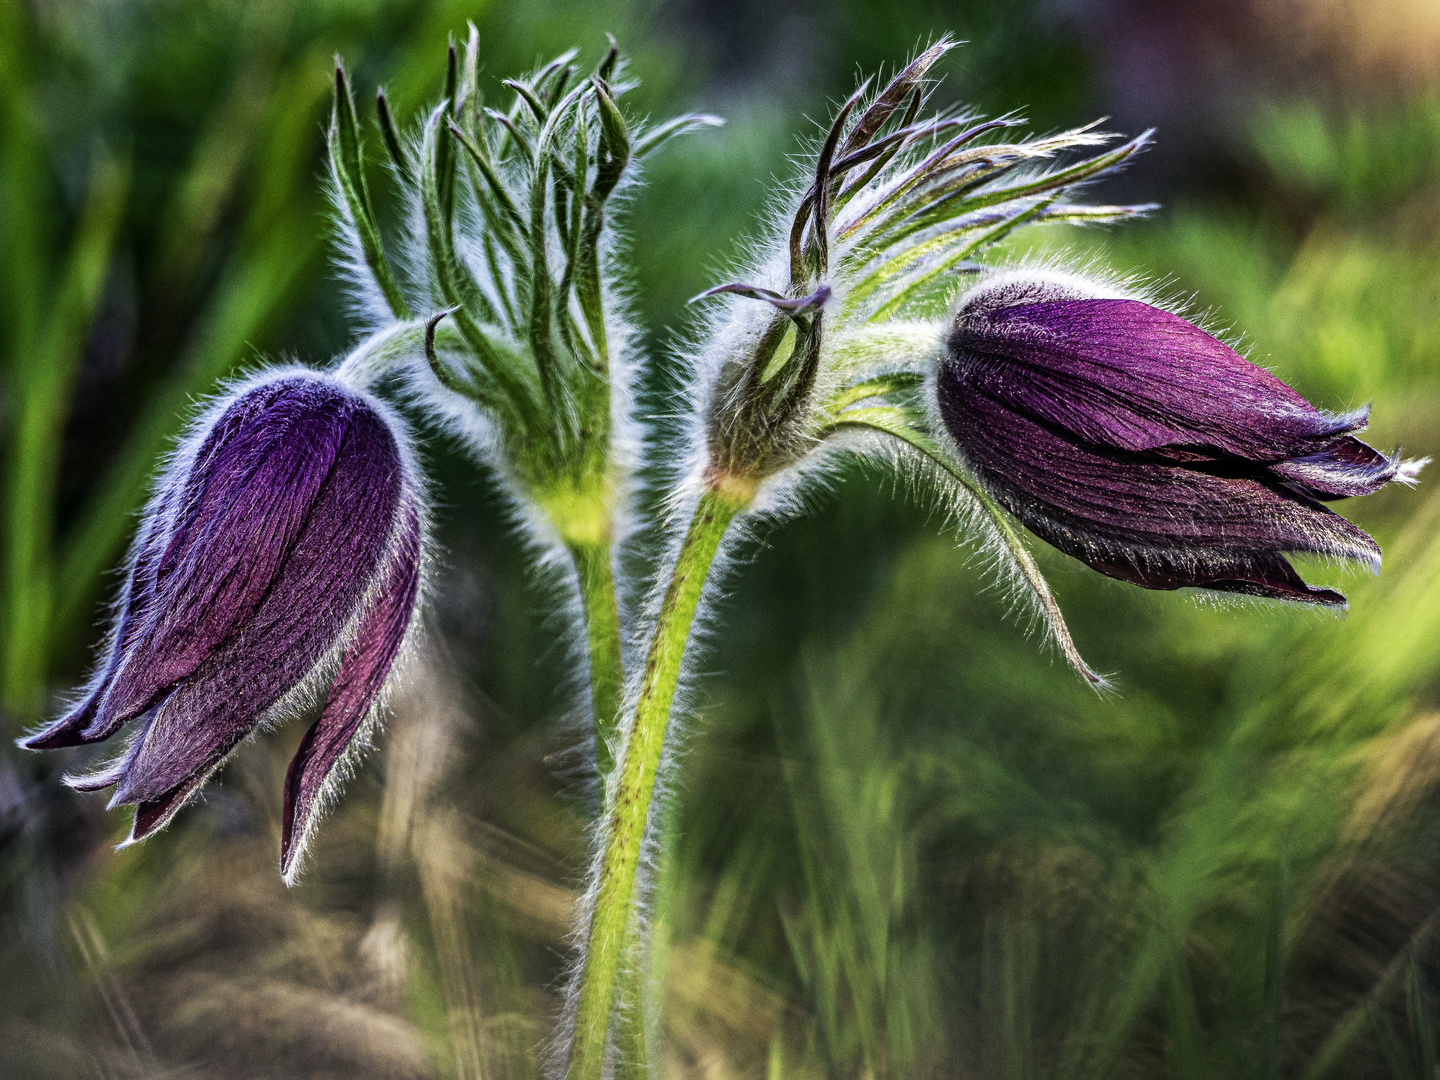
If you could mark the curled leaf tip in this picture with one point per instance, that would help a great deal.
(791, 306)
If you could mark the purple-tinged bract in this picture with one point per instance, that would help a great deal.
(1131, 439)
(282, 549)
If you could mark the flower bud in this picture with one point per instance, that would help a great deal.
(281, 550)
(1134, 441)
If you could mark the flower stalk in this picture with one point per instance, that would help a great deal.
(633, 787)
(879, 232)
(602, 637)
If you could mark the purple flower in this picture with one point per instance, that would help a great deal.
(280, 553)
(1136, 442)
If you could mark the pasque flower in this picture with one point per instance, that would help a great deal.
(1131, 439)
(280, 553)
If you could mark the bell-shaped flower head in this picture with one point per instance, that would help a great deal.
(280, 554)
(1131, 439)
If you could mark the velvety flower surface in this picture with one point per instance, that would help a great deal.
(1131, 439)
(283, 547)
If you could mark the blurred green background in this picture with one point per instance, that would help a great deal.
(908, 843)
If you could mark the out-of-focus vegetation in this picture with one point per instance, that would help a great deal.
(910, 845)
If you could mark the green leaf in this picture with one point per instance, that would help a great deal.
(659, 135)
(470, 79)
(459, 291)
(990, 236)
(614, 142)
(391, 137)
(881, 386)
(347, 163)
(521, 140)
(456, 286)
(537, 107)
(955, 203)
(539, 328)
(443, 158)
(498, 191)
(947, 168)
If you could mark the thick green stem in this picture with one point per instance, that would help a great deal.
(629, 808)
(602, 630)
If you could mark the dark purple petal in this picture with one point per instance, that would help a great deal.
(362, 674)
(1151, 522)
(233, 536)
(1344, 470)
(153, 815)
(106, 775)
(299, 621)
(134, 603)
(176, 499)
(1266, 574)
(1125, 375)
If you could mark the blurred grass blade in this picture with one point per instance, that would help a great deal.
(44, 388)
(1275, 970)
(1417, 1010)
(1390, 1048)
(254, 289)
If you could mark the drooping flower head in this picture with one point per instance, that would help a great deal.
(281, 550)
(1115, 430)
(840, 357)
(1131, 439)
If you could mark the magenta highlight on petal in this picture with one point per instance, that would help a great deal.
(280, 554)
(1132, 440)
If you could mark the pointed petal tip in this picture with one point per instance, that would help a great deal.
(291, 862)
(292, 834)
(72, 729)
(364, 670)
(1103, 685)
(1060, 634)
(103, 777)
(152, 815)
(1356, 419)
(927, 59)
(1408, 472)
(57, 736)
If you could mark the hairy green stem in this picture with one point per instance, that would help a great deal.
(629, 808)
(607, 688)
(602, 631)
(632, 1060)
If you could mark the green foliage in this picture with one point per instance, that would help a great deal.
(1356, 158)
